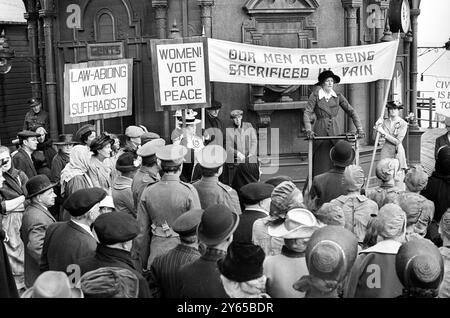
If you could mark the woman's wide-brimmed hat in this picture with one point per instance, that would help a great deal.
(394, 104)
(419, 264)
(37, 185)
(342, 154)
(65, 139)
(326, 74)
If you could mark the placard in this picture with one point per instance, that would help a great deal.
(180, 73)
(97, 90)
(442, 95)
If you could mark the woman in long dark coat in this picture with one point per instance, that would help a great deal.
(324, 104)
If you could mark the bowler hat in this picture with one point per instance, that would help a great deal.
(419, 264)
(243, 262)
(127, 162)
(326, 74)
(110, 282)
(65, 139)
(115, 227)
(255, 192)
(186, 224)
(81, 201)
(342, 154)
(52, 284)
(331, 252)
(34, 102)
(394, 104)
(217, 224)
(216, 105)
(299, 223)
(37, 185)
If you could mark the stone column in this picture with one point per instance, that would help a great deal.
(161, 7)
(351, 6)
(32, 17)
(48, 14)
(206, 15)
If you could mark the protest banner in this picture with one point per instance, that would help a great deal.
(442, 95)
(97, 90)
(233, 62)
(180, 73)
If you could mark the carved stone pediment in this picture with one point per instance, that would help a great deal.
(280, 7)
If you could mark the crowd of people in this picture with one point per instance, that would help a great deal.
(97, 219)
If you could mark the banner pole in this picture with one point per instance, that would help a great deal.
(378, 134)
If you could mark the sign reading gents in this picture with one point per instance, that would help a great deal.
(97, 90)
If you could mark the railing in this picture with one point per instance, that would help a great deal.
(427, 106)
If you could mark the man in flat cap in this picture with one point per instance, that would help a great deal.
(161, 203)
(164, 269)
(241, 143)
(86, 134)
(133, 138)
(127, 165)
(256, 199)
(115, 232)
(66, 243)
(22, 159)
(148, 173)
(35, 221)
(36, 116)
(210, 190)
(201, 278)
(214, 127)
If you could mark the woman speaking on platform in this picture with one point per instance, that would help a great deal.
(324, 104)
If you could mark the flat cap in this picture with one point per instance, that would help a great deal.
(27, 134)
(134, 131)
(212, 156)
(150, 148)
(81, 201)
(34, 102)
(236, 112)
(116, 227)
(84, 129)
(146, 137)
(186, 224)
(255, 192)
(172, 155)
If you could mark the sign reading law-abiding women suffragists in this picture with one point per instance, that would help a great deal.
(97, 90)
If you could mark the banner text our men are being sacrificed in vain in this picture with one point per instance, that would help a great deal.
(98, 90)
(253, 64)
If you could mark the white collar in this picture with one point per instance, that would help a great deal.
(384, 247)
(84, 227)
(250, 208)
(323, 94)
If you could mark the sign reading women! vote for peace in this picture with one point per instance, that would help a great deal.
(180, 73)
(97, 90)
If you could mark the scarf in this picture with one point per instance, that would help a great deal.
(78, 164)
